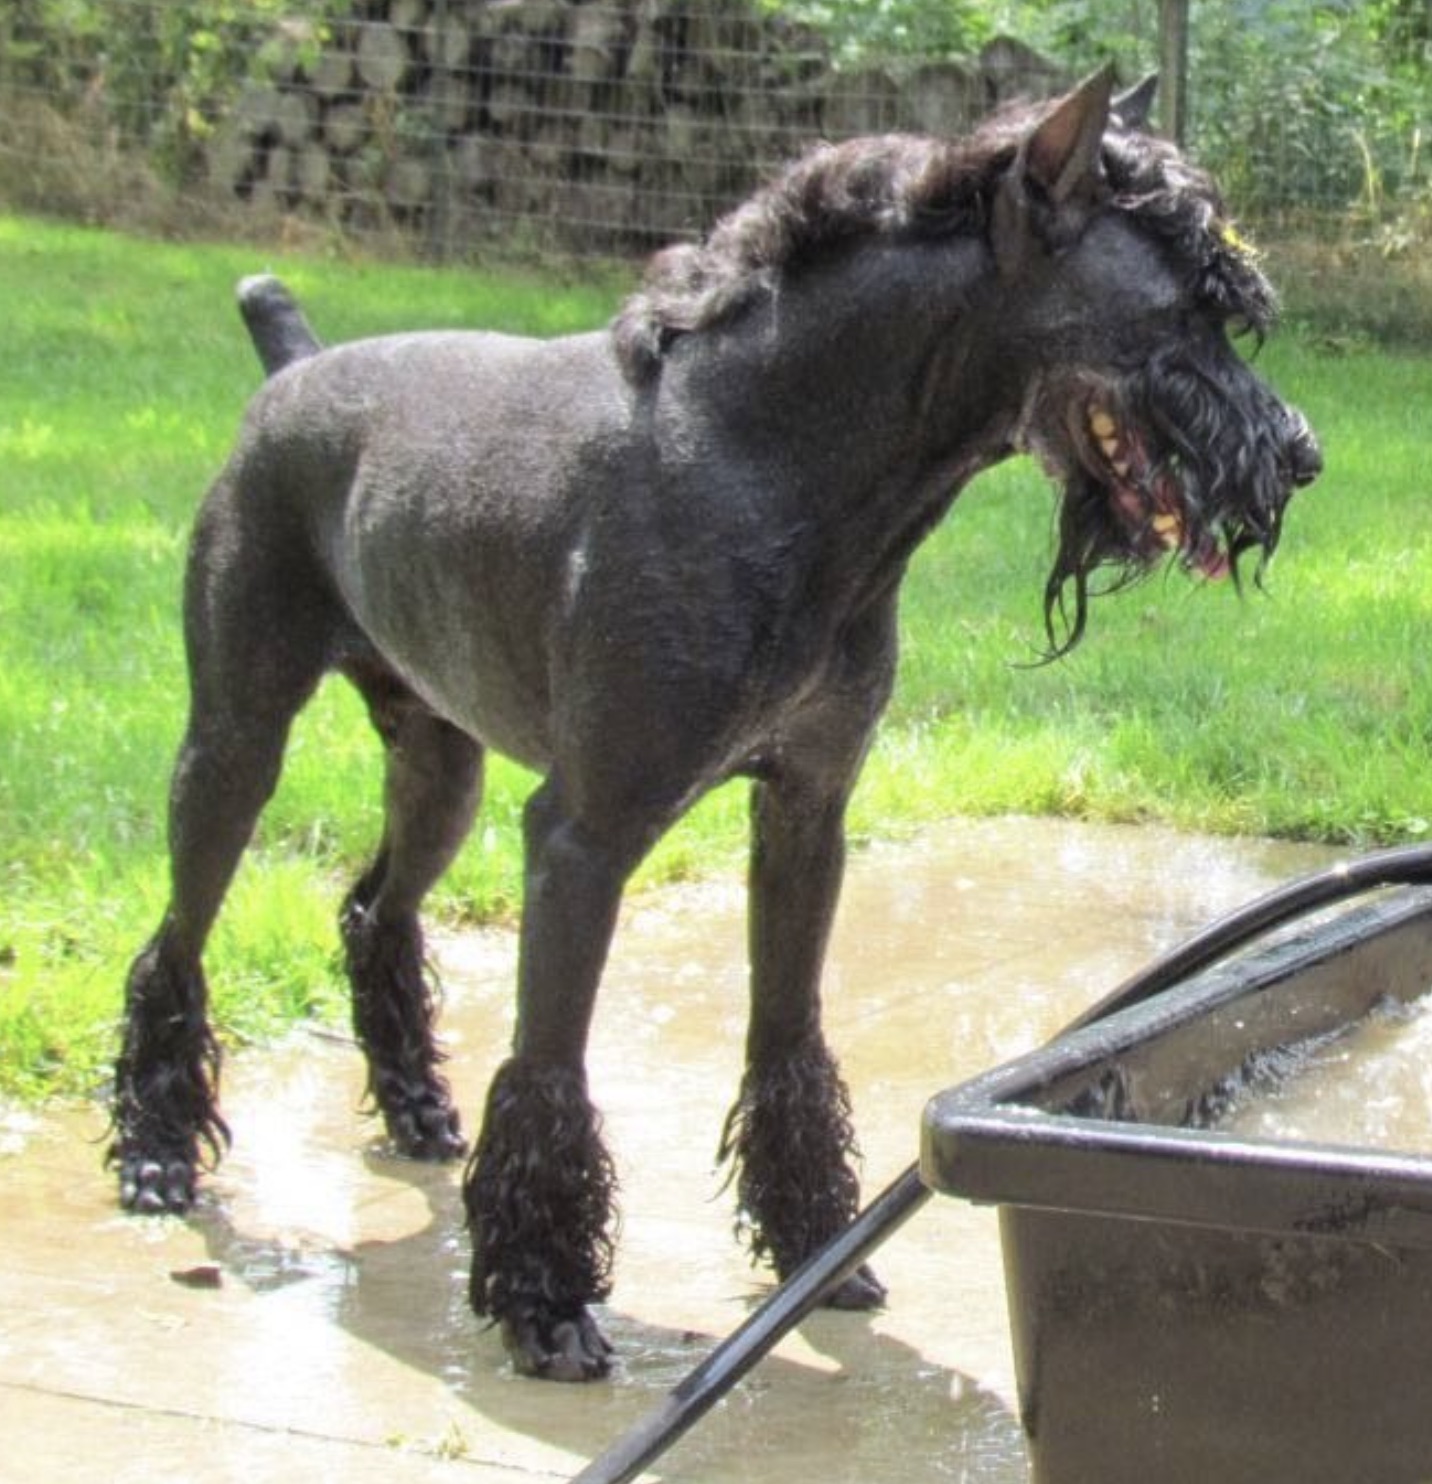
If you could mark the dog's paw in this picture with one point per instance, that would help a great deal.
(156, 1187)
(861, 1290)
(552, 1349)
(427, 1129)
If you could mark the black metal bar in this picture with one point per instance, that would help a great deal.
(693, 1397)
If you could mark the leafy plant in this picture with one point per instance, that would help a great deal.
(889, 28)
(1293, 103)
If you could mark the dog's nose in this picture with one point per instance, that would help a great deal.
(1305, 458)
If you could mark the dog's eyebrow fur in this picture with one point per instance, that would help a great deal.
(1178, 203)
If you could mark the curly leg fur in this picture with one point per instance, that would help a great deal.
(792, 1147)
(165, 1110)
(540, 1193)
(393, 1017)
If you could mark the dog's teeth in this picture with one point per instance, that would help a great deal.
(1119, 466)
(1168, 528)
(1102, 425)
(1110, 447)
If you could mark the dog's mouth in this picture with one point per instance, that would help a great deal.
(1163, 465)
(1145, 495)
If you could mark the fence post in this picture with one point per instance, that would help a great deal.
(1173, 69)
(440, 228)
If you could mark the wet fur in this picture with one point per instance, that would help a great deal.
(790, 1141)
(540, 1192)
(612, 558)
(394, 1011)
(167, 1081)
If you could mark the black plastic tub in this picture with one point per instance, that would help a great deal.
(1188, 1307)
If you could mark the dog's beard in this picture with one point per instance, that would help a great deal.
(1177, 464)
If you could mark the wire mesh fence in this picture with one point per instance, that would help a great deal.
(592, 126)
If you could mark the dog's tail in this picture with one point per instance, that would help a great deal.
(280, 333)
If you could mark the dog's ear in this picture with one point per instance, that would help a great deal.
(1061, 153)
(1056, 174)
(1131, 109)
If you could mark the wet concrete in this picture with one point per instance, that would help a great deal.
(310, 1321)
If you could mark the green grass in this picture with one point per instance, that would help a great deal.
(1305, 712)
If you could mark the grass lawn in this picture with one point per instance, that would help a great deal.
(1303, 712)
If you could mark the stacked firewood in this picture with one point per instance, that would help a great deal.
(595, 124)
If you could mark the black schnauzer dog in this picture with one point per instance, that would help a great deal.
(649, 559)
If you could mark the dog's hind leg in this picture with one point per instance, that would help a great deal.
(432, 791)
(258, 641)
(165, 1109)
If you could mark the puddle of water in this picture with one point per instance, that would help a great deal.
(17, 1127)
(339, 1320)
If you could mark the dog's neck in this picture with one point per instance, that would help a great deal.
(874, 457)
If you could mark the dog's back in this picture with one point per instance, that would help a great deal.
(405, 481)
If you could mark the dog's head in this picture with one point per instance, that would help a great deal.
(1127, 286)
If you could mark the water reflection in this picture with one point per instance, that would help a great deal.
(1370, 1086)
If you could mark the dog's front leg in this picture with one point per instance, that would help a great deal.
(790, 1136)
(540, 1188)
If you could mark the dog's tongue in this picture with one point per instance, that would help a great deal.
(1166, 526)
(1149, 500)
(1206, 556)
(1212, 562)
